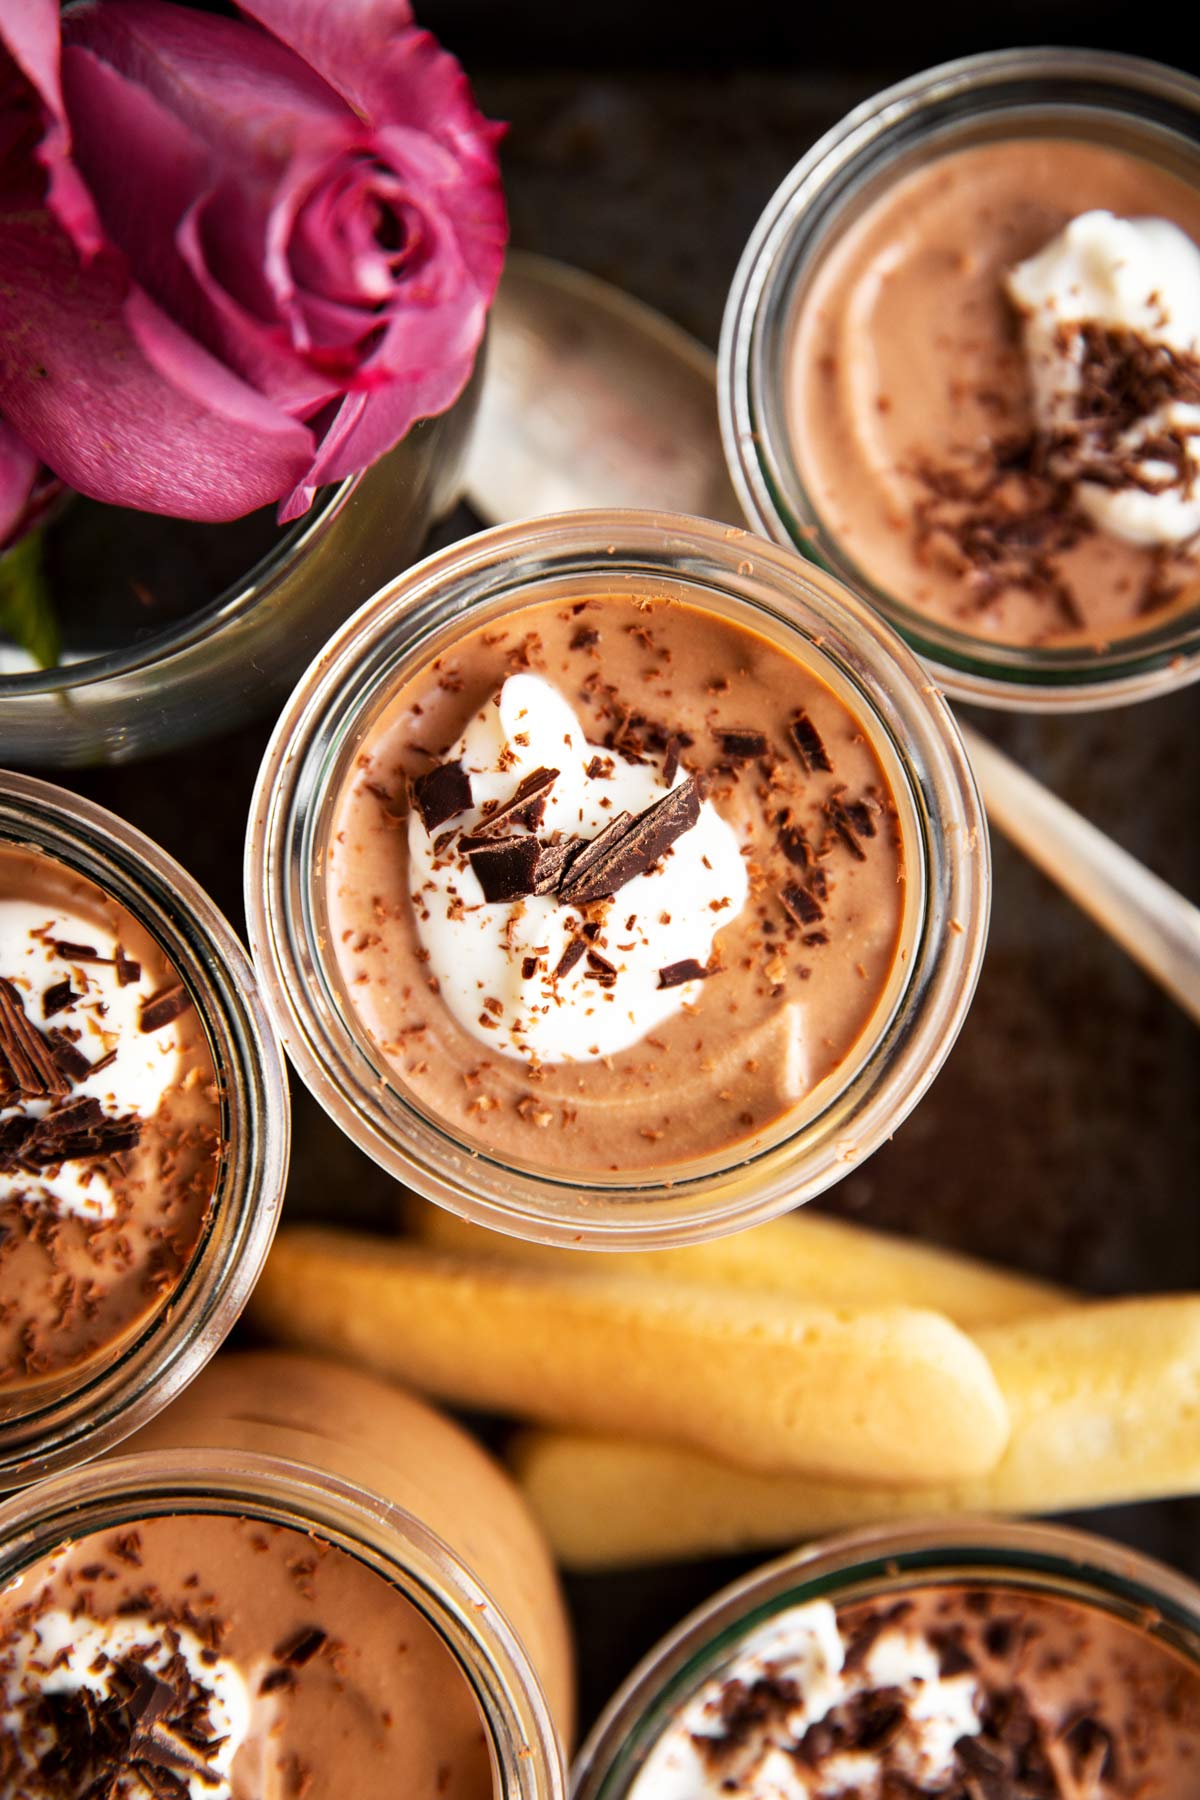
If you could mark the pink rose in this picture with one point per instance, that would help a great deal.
(238, 258)
(26, 487)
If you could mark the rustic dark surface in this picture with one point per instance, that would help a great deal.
(1063, 1135)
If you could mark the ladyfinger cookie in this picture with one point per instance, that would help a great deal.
(823, 1261)
(758, 1380)
(1105, 1408)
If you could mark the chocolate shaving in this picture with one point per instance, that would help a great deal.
(442, 794)
(301, 1647)
(76, 1130)
(28, 1069)
(806, 741)
(740, 743)
(840, 818)
(552, 861)
(676, 973)
(600, 970)
(585, 637)
(588, 852)
(637, 849)
(58, 997)
(1123, 380)
(153, 1729)
(800, 905)
(507, 869)
(526, 807)
(128, 971)
(861, 816)
(1090, 1747)
(70, 1059)
(999, 519)
(163, 1007)
(795, 846)
(79, 953)
(671, 762)
(570, 956)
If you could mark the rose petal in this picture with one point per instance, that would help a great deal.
(151, 174)
(244, 94)
(18, 472)
(29, 31)
(262, 353)
(344, 43)
(119, 401)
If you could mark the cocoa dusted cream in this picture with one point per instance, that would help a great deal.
(950, 1693)
(615, 884)
(994, 392)
(109, 1124)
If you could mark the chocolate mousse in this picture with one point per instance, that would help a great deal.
(615, 884)
(994, 392)
(109, 1124)
(955, 1692)
(204, 1654)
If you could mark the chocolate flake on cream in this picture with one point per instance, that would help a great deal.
(638, 848)
(527, 806)
(676, 973)
(164, 1007)
(28, 1069)
(442, 794)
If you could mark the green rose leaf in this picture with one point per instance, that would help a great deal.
(27, 615)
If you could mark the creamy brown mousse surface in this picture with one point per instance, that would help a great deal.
(350, 1691)
(910, 405)
(787, 767)
(74, 1286)
(1063, 1703)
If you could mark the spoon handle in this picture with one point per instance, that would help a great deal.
(1156, 926)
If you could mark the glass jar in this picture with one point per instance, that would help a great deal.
(225, 662)
(881, 1565)
(740, 579)
(396, 1527)
(60, 1421)
(1116, 101)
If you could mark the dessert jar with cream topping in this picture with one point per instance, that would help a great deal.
(954, 1659)
(960, 368)
(296, 1579)
(143, 1129)
(616, 878)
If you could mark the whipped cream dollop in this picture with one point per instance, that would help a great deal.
(750, 1730)
(101, 1016)
(61, 1655)
(1111, 322)
(500, 966)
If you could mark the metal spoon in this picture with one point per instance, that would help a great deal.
(592, 399)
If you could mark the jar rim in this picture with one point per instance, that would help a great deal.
(223, 610)
(392, 1542)
(177, 1337)
(1056, 1559)
(309, 752)
(758, 455)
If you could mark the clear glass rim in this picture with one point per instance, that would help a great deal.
(1055, 1559)
(122, 1490)
(217, 615)
(970, 668)
(894, 695)
(175, 1341)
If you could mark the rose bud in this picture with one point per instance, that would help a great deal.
(239, 258)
